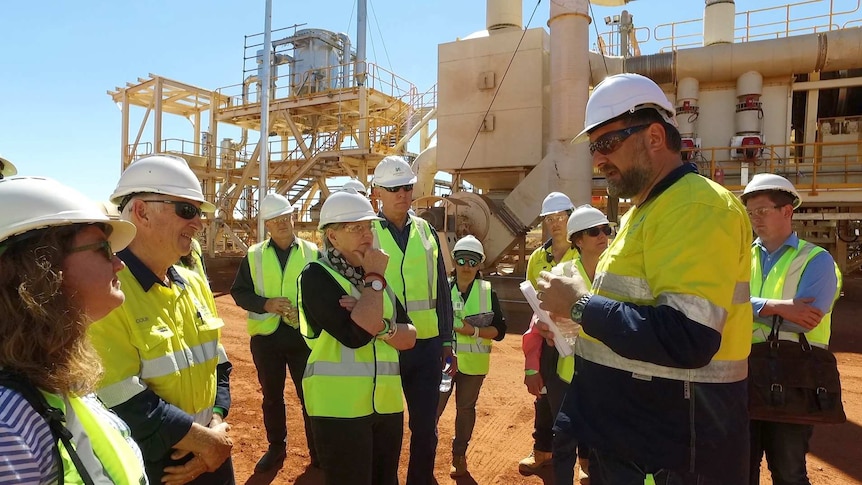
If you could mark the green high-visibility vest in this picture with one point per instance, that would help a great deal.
(270, 281)
(474, 354)
(566, 365)
(115, 454)
(340, 382)
(781, 283)
(412, 274)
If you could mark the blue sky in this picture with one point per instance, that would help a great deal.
(58, 60)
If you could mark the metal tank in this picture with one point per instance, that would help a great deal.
(317, 56)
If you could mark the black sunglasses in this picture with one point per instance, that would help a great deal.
(594, 231)
(463, 261)
(103, 246)
(183, 209)
(405, 188)
(611, 141)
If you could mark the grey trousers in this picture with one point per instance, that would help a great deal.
(466, 389)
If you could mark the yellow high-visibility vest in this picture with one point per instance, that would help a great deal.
(474, 354)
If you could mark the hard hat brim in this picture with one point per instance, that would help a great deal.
(348, 220)
(9, 168)
(283, 212)
(410, 179)
(122, 234)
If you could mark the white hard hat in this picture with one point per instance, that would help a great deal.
(585, 217)
(41, 202)
(161, 174)
(556, 202)
(7, 169)
(274, 205)
(346, 206)
(393, 171)
(471, 244)
(623, 93)
(355, 185)
(769, 181)
(109, 209)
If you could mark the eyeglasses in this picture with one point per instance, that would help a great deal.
(405, 188)
(762, 211)
(611, 141)
(103, 246)
(557, 217)
(357, 227)
(280, 219)
(462, 261)
(183, 209)
(594, 231)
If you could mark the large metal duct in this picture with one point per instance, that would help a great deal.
(503, 14)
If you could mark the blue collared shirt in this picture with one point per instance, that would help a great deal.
(818, 281)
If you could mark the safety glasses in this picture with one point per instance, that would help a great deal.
(762, 211)
(462, 261)
(611, 141)
(405, 188)
(182, 209)
(103, 246)
(357, 227)
(595, 231)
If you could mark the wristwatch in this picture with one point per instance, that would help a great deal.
(375, 282)
(577, 312)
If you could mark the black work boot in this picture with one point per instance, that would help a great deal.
(272, 459)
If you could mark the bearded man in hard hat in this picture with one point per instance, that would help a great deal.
(803, 299)
(166, 373)
(266, 286)
(662, 357)
(539, 357)
(417, 274)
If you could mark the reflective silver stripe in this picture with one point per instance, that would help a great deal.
(348, 367)
(720, 371)
(179, 360)
(696, 308)
(204, 417)
(222, 355)
(262, 316)
(474, 348)
(794, 271)
(741, 293)
(416, 305)
(484, 304)
(762, 335)
(430, 262)
(120, 392)
(258, 274)
(636, 288)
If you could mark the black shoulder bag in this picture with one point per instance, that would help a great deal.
(55, 418)
(793, 382)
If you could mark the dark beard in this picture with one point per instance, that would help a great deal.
(631, 183)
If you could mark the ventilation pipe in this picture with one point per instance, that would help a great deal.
(425, 168)
(718, 22)
(503, 14)
(687, 111)
(345, 59)
(747, 144)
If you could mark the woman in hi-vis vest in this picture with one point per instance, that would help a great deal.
(354, 327)
(57, 274)
(478, 321)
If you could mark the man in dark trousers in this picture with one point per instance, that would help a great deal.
(265, 285)
(418, 276)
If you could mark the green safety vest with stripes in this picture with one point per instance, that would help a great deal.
(116, 456)
(271, 281)
(340, 382)
(474, 354)
(165, 339)
(413, 274)
(660, 257)
(781, 283)
(566, 365)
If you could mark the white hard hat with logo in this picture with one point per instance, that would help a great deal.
(623, 93)
(585, 217)
(41, 202)
(161, 174)
(770, 181)
(346, 206)
(355, 185)
(556, 202)
(274, 205)
(393, 171)
(7, 169)
(469, 243)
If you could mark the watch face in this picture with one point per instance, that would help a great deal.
(376, 285)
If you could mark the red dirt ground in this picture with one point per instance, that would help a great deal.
(505, 412)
